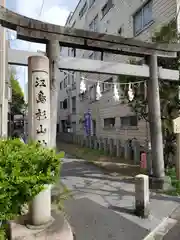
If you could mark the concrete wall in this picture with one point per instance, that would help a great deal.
(120, 16)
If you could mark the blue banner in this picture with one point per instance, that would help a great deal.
(87, 123)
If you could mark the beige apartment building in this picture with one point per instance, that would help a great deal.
(128, 18)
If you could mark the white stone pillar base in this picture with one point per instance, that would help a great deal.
(40, 208)
(142, 195)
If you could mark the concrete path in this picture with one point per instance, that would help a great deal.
(102, 205)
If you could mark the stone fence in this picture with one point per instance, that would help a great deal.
(129, 150)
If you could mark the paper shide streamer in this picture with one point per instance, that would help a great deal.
(116, 95)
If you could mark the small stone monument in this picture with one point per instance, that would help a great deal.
(142, 195)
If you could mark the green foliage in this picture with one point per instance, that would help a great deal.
(17, 95)
(24, 170)
(170, 104)
(167, 33)
(2, 234)
(175, 183)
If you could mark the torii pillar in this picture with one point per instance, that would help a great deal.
(154, 112)
(53, 53)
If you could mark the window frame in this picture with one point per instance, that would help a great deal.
(61, 85)
(91, 56)
(92, 26)
(65, 103)
(91, 3)
(109, 124)
(130, 119)
(83, 10)
(66, 81)
(106, 8)
(141, 12)
(73, 24)
(107, 87)
(61, 104)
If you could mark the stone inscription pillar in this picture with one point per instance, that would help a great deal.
(39, 127)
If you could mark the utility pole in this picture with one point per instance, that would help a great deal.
(154, 112)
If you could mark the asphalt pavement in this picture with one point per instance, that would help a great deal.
(102, 206)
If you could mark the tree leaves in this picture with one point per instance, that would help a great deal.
(24, 170)
(17, 95)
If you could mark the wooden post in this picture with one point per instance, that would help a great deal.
(118, 150)
(95, 143)
(100, 144)
(90, 142)
(111, 146)
(105, 145)
(136, 151)
(127, 150)
(155, 119)
(176, 125)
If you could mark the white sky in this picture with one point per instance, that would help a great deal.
(54, 11)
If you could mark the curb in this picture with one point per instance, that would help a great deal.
(67, 233)
(162, 229)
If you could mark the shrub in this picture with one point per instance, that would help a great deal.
(174, 181)
(24, 170)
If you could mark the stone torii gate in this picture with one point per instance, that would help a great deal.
(55, 36)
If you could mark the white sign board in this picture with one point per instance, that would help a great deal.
(176, 125)
(18, 117)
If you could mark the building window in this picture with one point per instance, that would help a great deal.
(91, 56)
(109, 122)
(107, 7)
(143, 17)
(129, 121)
(61, 85)
(65, 104)
(83, 10)
(73, 52)
(106, 86)
(96, 56)
(74, 105)
(94, 127)
(73, 127)
(65, 81)
(73, 24)
(93, 26)
(91, 2)
(83, 96)
(61, 105)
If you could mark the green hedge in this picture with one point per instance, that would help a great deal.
(24, 170)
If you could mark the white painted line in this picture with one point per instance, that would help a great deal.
(162, 229)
